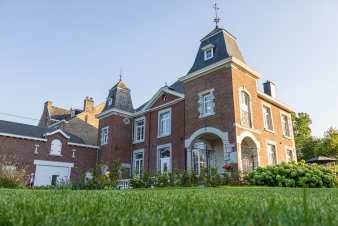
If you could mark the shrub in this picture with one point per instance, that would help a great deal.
(6, 182)
(294, 175)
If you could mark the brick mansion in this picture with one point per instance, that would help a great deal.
(215, 115)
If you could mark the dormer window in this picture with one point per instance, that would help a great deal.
(110, 101)
(208, 51)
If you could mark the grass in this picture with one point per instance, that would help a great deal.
(182, 207)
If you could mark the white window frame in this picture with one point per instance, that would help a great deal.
(56, 147)
(104, 135)
(110, 101)
(206, 53)
(288, 116)
(268, 143)
(136, 130)
(168, 133)
(264, 105)
(287, 149)
(140, 171)
(243, 90)
(202, 103)
(159, 147)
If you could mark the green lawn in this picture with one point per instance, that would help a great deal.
(187, 207)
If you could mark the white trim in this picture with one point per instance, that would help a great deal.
(205, 53)
(84, 145)
(222, 135)
(157, 95)
(209, 46)
(245, 134)
(22, 137)
(133, 160)
(57, 131)
(135, 141)
(158, 164)
(159, 107)
(270, 142)
(272, 121)
(240, 138)
(111, 111)
(159, 123)
(246, 128)
(104, 142)
(200, 96)
(53, 163)
(288, 115)
(274, 101)
(240, 90)
(217, 65)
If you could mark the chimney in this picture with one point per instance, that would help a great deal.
(48, 104)
(270, 88)
(88, 104)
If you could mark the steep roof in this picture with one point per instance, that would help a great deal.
(58, 113)
(31, 131)
(225, 46)
(119, 97)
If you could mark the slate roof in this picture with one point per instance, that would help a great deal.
(225, 47)
(31, 131)
(120, 97)
(58, 113)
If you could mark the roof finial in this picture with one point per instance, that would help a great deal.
(120, 75)
(216, 19)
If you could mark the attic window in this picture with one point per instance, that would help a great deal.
(110, 101)
(208, 51)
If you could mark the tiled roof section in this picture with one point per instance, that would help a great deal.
(58, 113)
(120, 98)
(31, 131)
(225, 46)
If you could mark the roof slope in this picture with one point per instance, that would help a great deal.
(225, 46)
(31, 131)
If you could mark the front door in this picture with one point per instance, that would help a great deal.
(165, 165)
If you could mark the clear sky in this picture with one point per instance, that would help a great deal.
(67, 49)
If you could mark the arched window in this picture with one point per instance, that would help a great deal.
(246, 119)
(56, 147)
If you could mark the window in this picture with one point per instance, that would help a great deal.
(56, 147)
(286, 125)
(289, 155)
(110, 101)
(206, 103)
(164, 158)
(164, 123)
(138, 163)
(272, 155)
(268, 125)
(104, 135)
(245, 110)
(139, 129)
(208, 53)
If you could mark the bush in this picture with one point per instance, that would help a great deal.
(294, 175)
(7, 182)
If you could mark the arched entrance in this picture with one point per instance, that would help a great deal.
(205, 150)
(249, 155)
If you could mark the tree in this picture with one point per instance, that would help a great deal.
(330, 143)
(303, 135)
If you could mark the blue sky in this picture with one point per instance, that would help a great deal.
(65, 50)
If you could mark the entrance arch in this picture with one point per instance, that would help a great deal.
(249, 155)
(206, 149)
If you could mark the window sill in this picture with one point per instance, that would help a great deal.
(138, 142)
(206, 115)
(58, 155)
(163, 135)
(269, 130)
(287, 137)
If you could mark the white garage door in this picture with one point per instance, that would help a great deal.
(48, 172)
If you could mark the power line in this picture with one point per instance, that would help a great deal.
(19, 116)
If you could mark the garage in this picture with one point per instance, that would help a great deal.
(50, 172)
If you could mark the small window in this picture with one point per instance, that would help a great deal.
(139, 129)
(110, 101)
(246, 119)
(164, 123)
(206, 103)
(104, 135)
(138, 163)
(289, 155)
(56, 147)
(208, 53)
(268, 125)
(272, 154)
(286, 125)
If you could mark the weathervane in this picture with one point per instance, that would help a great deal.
(216, 19)
(120, 75)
